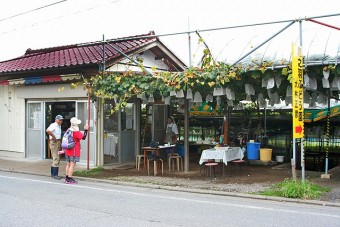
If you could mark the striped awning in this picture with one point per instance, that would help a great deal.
(41, 79)
(316, 115)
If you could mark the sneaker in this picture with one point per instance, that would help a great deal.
(56, 177)
(73, 180)
(70, 181)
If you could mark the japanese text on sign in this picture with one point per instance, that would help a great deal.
(297, 96)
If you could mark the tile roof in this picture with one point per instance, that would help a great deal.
(74, 55)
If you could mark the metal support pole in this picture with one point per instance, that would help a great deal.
(186, 118)
(302, 139)
(327, 129)
(267, 40)
(88, 120)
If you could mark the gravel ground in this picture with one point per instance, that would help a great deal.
(214, 184)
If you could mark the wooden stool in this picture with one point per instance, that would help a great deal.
(178, 160)
(154, 165)
(211, 165)
(239, 162)
(138, 160)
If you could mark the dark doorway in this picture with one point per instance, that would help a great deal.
(66, 109)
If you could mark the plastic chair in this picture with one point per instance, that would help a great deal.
(178, 159)
(138, 160)
(239, 162)
(211, 165)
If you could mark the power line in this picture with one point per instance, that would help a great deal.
(32, 10)
(59, 17)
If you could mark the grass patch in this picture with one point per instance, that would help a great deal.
(89, 173)
(290, 188)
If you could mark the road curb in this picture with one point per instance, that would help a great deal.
(193, 190)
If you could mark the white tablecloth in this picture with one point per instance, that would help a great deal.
(226, 154)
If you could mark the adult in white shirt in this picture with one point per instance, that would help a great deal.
(171, 131)
(54, 132)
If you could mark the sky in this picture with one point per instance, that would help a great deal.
(78, 21)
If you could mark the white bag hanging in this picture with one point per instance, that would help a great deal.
(172, 93)
(306, 80)
(314, 97)
(271, 83)
(263, 104)
(189, 94)
(312, 104)
(278, 80)
(260, 97)
(251, 90)
(167, 100)
(246, 88)
(325, 83)
(209, 98)
(320, 99)
(197, 97)
(218, 100)
(276, 98)
(288, 100)
(269, 92)
(218, 91)
(306, 97)
(151, 99)
(325, 74)
(264, 82)
(232, 95)
(180, 94)
(334, 84)
(289, 91)
(228, 92)
(313, 84)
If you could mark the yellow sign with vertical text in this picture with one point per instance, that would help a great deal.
(297, 94)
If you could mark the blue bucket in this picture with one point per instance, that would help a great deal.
(253, 151)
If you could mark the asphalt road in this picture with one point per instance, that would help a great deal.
(28, 200)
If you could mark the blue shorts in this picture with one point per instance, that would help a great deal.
(72, 158)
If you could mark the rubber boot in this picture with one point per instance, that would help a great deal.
(55, 171)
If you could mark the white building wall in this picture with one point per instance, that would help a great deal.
(12, 120)
(12, 110)
(148, 61)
